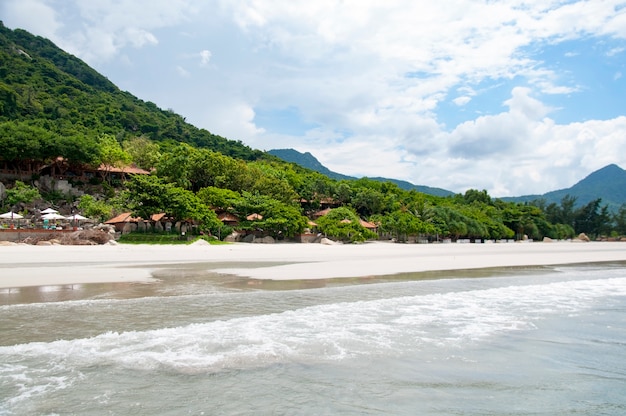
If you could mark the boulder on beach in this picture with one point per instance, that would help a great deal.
(264, 240)
(583, 237)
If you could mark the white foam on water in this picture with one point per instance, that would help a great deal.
(318, 333)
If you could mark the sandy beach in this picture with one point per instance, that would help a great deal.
(24, 265)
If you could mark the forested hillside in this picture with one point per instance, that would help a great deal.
(608, 184)
(43, 87)
(55, 110)
(309, 161)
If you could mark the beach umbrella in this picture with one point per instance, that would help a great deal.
(11, 216)
(53, 216)
(76, 217)
(49, 211)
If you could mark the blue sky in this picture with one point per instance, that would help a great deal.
(512, 96)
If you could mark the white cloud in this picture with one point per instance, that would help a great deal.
(461, 101)
(205, 57)
(182, 72)
(32, 15)
(371, 77)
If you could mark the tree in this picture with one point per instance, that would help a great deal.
(473, 195)
(143, 152)
(21, 194)
(368, 201)
(343, 224)
(147, 195)
(111, 155)
(402, 224)
(93, 208)
(619, 220)
(592, 219)
(219, 198)
(274, 217)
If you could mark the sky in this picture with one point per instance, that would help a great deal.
(516, 97)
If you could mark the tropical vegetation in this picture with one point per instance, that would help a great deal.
(53, 105)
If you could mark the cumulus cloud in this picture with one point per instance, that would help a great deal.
(461, 101)
(32, 15)
(372, 78)
(205, 57)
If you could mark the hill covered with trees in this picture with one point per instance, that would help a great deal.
(309, 161)
(54, 109)
(608, 184)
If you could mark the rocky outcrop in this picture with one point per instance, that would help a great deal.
(583, 238)
(264, 240)
(90, 237)
(328, 242)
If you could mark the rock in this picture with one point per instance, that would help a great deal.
(264, 240)
(547, 240)
(200, 242)
(233, 238)
(583, 237)
(328, 242)
(248, 239)
(44, 243)
(2, 191)
(7, 243)
(112, 243)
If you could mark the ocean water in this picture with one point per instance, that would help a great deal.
(534, 341)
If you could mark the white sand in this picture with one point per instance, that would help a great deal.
(25, 265)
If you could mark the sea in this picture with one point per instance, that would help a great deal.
(508, 341)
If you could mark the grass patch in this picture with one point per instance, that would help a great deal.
(152, 238)
(164, 238)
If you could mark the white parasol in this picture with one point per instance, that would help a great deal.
(76, 217)
(11, 216)
(49, 211)
(53, 216)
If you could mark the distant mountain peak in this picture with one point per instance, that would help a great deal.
(307, 160)
(607, 183)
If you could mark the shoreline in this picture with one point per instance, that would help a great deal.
(27, 266)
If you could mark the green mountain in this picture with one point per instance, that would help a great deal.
(608, 183)
(307, 160)
(41, 86)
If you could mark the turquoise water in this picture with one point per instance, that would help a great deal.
(544, 341)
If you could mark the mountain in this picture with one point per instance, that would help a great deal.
(608, 183)
(307, 160)
(42, 86)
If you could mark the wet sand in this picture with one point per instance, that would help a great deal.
(24, 265)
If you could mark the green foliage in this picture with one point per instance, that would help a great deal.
(21, 193)
(148, 195)
(273, 217)
(343, 224)
(402, 224)
(41, 83)
(619, 220)
(219, 198)
(143, 152)
(475, 196)
(93, 208)
(52, 104)
(152, 238)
